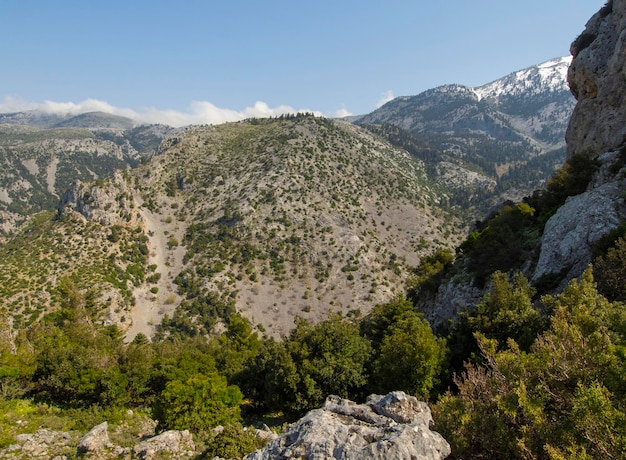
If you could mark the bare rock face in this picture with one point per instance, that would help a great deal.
(110, 203)
(451, 298)
(393, 426)
(569, 235)
(597, 78)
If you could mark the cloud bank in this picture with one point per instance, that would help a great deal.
(199, 112)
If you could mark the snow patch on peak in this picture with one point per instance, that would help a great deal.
(565, 60)
(550, 75)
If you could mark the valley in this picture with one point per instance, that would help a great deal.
(212, 284)
(150, 307)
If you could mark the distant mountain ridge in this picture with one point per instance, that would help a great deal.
(548, 76)
(90, 120)
(42, 154)
(510, 131)
(481, 145)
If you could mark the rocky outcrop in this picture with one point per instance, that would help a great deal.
(393, 426)
(109, 203)
(451, 298)
(569, 236)
(175, 444)
(597, 78)
(95, 445)
(43, 444)
(96, 442)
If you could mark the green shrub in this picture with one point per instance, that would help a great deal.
(564, 398)
(410, 357)
(503, 243)
(197, 403)
(233, 442)
(610, 271)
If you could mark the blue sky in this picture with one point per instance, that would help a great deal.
(207, 61)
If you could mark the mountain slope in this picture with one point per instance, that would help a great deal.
(97, 120)
(278, 218)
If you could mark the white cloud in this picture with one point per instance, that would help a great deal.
(342, 112)
(385, 97)
(199, 112)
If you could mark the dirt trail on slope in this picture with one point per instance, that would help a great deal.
(150, 307)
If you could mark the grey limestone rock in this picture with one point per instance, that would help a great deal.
(393, 426)
(597, 78)
(109, 203)
(43, 444)
(569, 235)
(176, 444)
(96, 441)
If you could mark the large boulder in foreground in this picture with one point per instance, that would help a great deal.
(393, 426)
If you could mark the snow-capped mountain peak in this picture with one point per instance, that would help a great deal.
(548, 76)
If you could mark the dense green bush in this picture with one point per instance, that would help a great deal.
(610, 269)
(564, 398)
(315, 361)
(427, 277)
(572, 179)
(410, 358)
(506, 312)
(197, 403)
(502, 243)
(233, 442)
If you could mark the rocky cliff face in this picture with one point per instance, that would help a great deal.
(597, 78)
(570, 235)
(109, 203)
(41, 155)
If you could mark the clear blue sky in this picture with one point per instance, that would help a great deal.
(192, 57)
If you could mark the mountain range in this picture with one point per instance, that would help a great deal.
(240, 273)
(274, 218)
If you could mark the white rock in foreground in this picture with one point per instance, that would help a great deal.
(393, 426)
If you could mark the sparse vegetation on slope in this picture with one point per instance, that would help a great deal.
(105, 262)
(293, 216)
(39, 164)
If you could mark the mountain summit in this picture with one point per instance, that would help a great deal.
(535, 80)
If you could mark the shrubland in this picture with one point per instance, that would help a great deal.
(512, 379)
